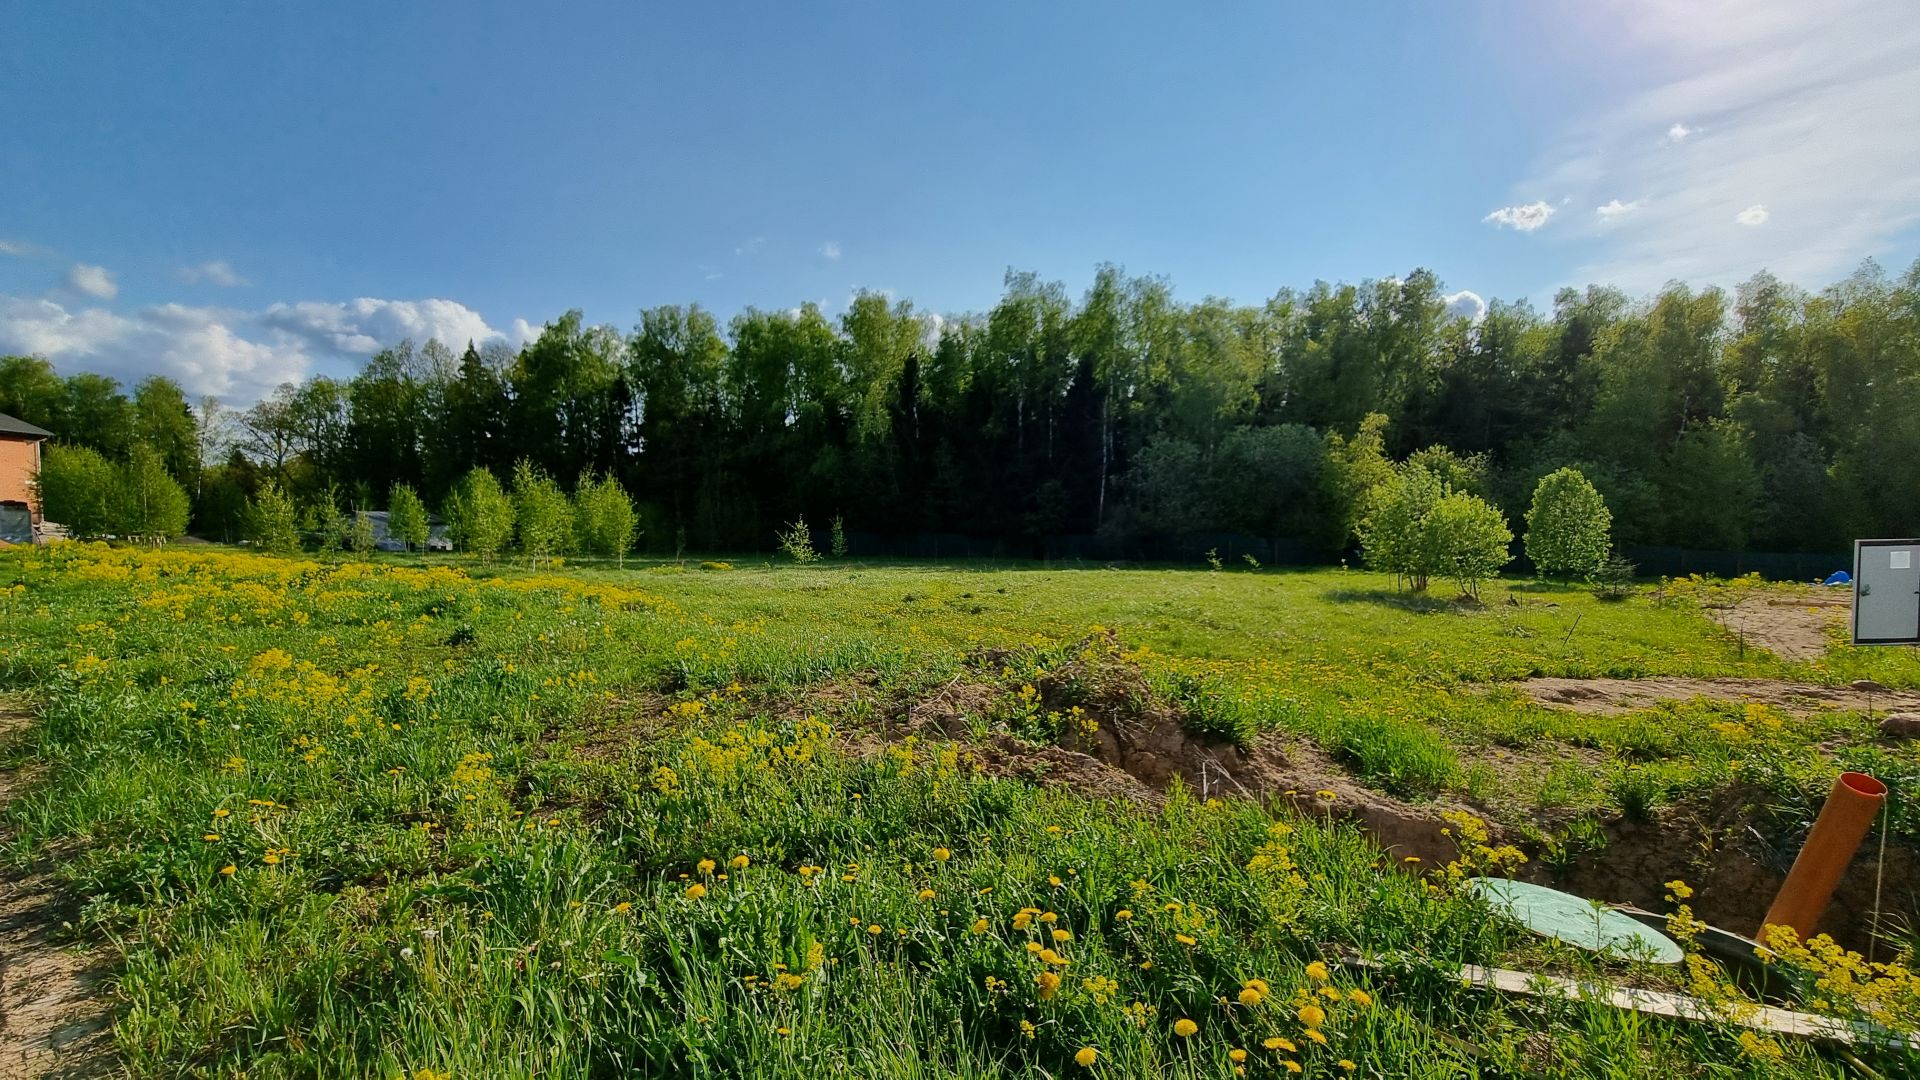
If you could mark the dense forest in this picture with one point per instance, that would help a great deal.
(1772, 419)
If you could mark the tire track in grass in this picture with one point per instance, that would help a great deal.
(54, 1013)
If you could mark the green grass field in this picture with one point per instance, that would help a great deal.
(417, 818)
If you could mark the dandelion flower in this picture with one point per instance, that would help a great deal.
(979, 926)
(1062, 934)
(270, 859)
(705, 866)
(1086, 1056)
(875, 929)
(696, 890)
(1360, 997)
(1278, 1043)
(1316, 1035)
(228, 870)
(1317, 971)
(1185, 939)
(925, 894)
(1291, 1066)
(1185, 1028)
(741, 862)
(1048, 985)
(1249, 996)
(1236, 1055)
(1123, 914)
(1346, 1064)
(1312, 1015)
(941, 854)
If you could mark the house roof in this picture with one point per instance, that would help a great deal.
(16, 428)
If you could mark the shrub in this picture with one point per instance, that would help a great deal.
(146, 502)
(1568, 525)
(272, 522)
(797, 542)
(1466, 538)
(479, 515)
(76, 489)
(542, 512)
(1613, 581)
(356, 533)
(407, 517)
(604, 517)
(839, 537)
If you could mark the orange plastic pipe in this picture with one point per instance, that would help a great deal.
(1836, 835)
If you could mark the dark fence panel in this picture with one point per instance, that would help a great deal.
(1774, 565)
(1188, 548)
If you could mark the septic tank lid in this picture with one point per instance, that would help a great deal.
(1576, 921)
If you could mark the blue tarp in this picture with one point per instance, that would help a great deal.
(1838, 577)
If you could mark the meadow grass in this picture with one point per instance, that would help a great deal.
(383, 818)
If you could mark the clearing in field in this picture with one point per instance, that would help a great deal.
(391, 817)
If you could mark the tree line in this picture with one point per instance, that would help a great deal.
(1771, 418)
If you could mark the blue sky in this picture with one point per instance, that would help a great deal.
(237, 194)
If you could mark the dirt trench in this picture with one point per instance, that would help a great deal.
(1142, 745)
(54, 1013)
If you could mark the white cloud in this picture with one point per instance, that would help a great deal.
(1752, 215)
(748, 247)
(216, 272)
(20, 248)
(1678, 132)
(239, 355)
(1812, 110)
(193, 346)
(1465, 304)
(366, 325)
(1525, 218)
(830, 250)
(95, 281)
(1615, 209)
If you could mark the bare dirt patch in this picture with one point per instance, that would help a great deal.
(1792, 627)
(1609, 696)
(53, 1013)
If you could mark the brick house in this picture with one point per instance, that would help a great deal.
(19, 469)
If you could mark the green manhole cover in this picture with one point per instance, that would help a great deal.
(1576, 921)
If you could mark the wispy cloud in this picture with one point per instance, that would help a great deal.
(750, 245)
(1802, 114)
(830, 250)
(95, 281)
(1615, 209)
(1525, 218)
(215, 272)
(21, 248)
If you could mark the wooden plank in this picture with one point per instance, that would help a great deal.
(1765, 1018)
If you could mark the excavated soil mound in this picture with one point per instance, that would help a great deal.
(1792, 628)
(1607, 696)
(1140, 745)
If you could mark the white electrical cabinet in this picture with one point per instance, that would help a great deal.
(1886, 592)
